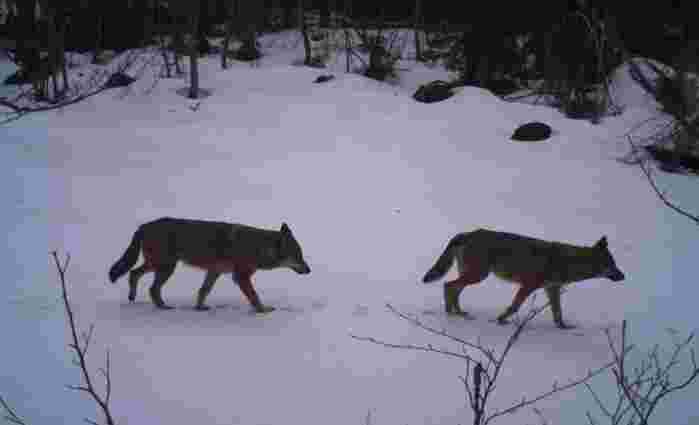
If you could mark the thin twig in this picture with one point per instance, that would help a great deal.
(427, 348)
(651, 381)
(554, 390)
(477, 346)
(82, 361)
(10, 416)
(662, 196)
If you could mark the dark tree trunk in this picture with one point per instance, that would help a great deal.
(325, 15)
(231, 13)
(418, 20)
(304, 32)
(148, 10)
(204, 28)
(26, 36)
(61, 53)
(99, 35)
(193, 57)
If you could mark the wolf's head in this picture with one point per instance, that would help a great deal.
(290, 252)
(608, 265)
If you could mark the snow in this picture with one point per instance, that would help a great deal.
(372, 184)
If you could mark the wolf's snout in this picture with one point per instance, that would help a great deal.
(303, 269)
(617, 275)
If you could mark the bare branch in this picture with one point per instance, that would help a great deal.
(484, 376)
(78, 388)
(87, 336)
(107, 378)
(477, 346)
(540, 414)
(599, 403)
(590, 419)
(650, 383)
(89, 388)
(556, 389)
(660, 194)
(10, 415)
(427, 348)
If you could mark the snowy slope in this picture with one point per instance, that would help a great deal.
(373, 184)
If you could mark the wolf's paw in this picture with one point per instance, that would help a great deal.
(202, 307)
(164, 307)
(265, 309)
(562, 325)
(463, 314)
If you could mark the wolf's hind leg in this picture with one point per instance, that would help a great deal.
(134, 276)
(452, 290)
(162, 274)
(209, 281)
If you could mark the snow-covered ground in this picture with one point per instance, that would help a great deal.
(373, 184)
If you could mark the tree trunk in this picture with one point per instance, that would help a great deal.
(194, 56)
(228, 9)
(178, 44)
(348, 34)
(148, 10)
(304, 32)
(325, 15)
(203, 29)
(250, 14)
(166, 60)
(332, 11)
(24, 34)
(61, 50)
(48, 68)
(418, 19)
(99, 26)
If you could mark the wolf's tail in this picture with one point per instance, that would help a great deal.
(127, 261)
(444, 261)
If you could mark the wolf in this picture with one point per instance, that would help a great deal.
(531, 263)
(216, 247)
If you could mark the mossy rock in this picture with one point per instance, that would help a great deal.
(119, 80)
(324, 78)
(532, 132)
(436, 91)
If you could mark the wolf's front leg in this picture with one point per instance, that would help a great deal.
(554, 295)
(244, 281)
(522, 293)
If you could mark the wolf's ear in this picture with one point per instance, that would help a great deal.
(602, 243)
(285, 228)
